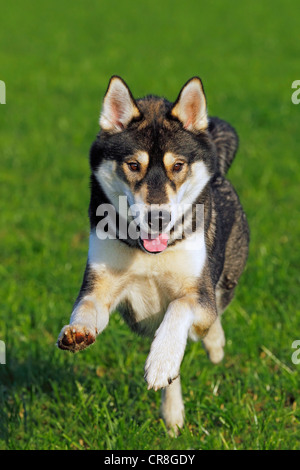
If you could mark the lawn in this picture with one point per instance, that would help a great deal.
(56, 59)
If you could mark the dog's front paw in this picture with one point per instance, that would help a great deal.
(162, 367)
(76, 337)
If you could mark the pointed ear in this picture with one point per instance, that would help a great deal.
(190, 106)
(119, 107)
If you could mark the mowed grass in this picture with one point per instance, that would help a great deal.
(56, 59)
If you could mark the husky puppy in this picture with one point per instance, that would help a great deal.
(170, 273)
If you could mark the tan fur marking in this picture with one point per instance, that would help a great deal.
(142, 158)
(171, 194)
(102, 287)
(88, 304)
(200, 332)
(170, 160)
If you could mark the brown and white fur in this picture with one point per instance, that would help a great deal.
(159, 153)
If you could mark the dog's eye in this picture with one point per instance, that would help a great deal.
(134, 166)
(177, 167)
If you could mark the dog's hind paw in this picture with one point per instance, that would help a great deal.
(76, 337)
(216, 355)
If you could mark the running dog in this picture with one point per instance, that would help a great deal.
(170, 272)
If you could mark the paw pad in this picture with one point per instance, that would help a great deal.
(75, 338)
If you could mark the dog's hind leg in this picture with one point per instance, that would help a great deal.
(214, 342)
(172, 408)
(235, 259)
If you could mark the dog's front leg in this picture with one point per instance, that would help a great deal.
(166, 353)
(90, 314)
(167, 349)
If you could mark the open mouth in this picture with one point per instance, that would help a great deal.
(155, 244)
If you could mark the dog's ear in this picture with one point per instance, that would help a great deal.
(119, 106)
(190, 106)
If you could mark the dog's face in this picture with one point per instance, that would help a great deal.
(157, 154)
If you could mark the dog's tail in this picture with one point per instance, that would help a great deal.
(226, 142)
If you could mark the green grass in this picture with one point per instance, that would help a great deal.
(56, 59)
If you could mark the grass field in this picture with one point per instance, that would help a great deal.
(56, 59)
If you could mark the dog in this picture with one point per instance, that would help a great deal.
(169, 271)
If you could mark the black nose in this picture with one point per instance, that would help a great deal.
(158, 220)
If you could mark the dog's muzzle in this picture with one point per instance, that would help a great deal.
(155, 239)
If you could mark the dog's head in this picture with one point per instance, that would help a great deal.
(157, 154)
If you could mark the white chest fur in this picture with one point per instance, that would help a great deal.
(147, 282)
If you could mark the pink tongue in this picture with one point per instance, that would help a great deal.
(156, 244)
